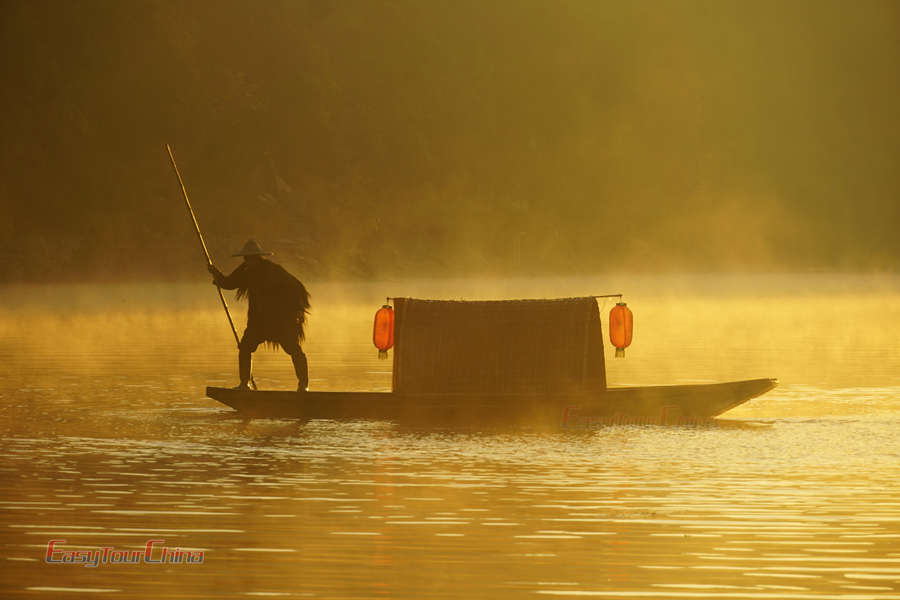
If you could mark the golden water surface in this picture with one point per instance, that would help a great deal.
(108, 441)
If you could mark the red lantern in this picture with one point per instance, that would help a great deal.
(621, 323)
(383, 330)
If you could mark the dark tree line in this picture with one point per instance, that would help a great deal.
(373, 138)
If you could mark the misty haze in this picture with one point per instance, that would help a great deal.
(375, 139)
(579, 298)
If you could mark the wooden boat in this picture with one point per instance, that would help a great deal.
(667, 404)
(509, 362)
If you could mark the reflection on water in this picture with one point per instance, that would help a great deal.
(109, 442)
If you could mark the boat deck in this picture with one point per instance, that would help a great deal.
(661, 402)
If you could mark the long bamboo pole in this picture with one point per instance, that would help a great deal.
(209, 262)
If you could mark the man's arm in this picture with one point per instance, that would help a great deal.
(229, 282)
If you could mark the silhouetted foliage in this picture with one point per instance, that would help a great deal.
(372, 138)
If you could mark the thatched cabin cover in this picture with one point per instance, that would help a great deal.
(505, 346)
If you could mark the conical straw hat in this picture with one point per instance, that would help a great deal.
(251, 248)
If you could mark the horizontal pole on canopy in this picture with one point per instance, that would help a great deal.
(389, 299)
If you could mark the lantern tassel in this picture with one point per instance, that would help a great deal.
(620, 352)
(382, 354)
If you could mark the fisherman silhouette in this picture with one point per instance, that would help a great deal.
(278, 304)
